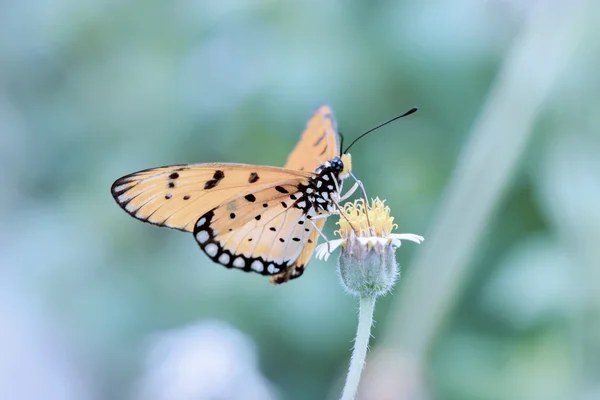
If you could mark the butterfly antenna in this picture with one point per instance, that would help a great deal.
(411, 111)
(341, 142)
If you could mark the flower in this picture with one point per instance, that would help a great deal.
(367, 262)
(373, 223)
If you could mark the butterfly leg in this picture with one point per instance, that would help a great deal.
(321, 233)
(358, 183)
(350, 191)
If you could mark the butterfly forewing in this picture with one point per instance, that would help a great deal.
(177, 196)
(318, 142)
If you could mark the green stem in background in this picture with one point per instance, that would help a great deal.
(361, 344)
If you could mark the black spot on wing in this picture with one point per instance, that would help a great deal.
(320, 139)
(281, 189)
(217, 177)
(253, 177)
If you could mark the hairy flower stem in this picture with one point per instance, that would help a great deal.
(361, 344)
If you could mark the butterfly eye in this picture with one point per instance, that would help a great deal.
(337, 164)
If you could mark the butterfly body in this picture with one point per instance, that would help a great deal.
(253, 218)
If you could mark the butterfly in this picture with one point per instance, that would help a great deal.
(249, 217)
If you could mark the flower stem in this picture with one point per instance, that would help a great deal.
(361, 344)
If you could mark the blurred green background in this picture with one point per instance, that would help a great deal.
(96, 305)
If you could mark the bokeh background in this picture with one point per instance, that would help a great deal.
(499, 170)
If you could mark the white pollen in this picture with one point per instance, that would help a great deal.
(325, 177)
(224, 258)
(257, 266)
(302, 204)
(239, 262)
(330, 187)
(201, 221)
(211, 249)
(309, 190)
(319, 184)
(271, 269)
(202, 237)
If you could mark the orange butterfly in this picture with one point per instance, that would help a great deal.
(248, 217)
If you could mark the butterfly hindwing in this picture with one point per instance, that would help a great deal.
(266, 233)
(176, 196)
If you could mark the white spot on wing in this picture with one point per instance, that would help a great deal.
(211, 249)
(120, 188)
(326, 177)
(224, 258)
(202, 237)
(302, 204)
(239, 262)
(201, 221)
(319, 184)
(258, 266)
(271, 269)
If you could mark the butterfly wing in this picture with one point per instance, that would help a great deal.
(318, 143)
(177, 196)
(264, 232)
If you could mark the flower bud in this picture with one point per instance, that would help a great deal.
(367, 268)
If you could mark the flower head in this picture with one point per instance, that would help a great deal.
(367, 263)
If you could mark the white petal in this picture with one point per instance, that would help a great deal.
(397, 237)
(323, 251)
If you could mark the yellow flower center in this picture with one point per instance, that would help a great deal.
(365, 220)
